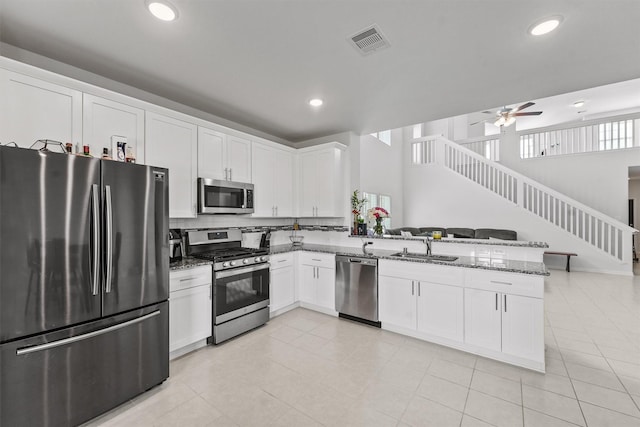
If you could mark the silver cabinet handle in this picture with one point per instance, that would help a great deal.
(282, 260)
(419, 288)
(505, 303)
(315, 259)
(230, 174)
(226, 174)
(95, 219)
(276, 211)
(495, 282)
(82, 337)
(109, 236)
(188, 279)
(496, 301)
(413, 289)
(210, 286)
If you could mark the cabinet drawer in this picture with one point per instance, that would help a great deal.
(281, 260)
(188, 278)
(422, 272)
(318, 259)
(508, 283)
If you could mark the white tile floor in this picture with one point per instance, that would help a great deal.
(307, 369)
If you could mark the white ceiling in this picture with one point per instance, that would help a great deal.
(258, 62)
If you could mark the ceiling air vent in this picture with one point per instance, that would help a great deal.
(369, 40)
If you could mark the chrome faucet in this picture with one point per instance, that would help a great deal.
(364, 247)
(428, 241)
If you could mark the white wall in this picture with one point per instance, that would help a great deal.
(381, 171)
(441, 198)
(598, 180)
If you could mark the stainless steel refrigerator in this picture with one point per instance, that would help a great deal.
(84, 282)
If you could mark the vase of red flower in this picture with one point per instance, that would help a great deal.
(377, 214)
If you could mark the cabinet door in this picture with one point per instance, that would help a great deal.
(103, 119)
(238, 159)
(326, 183)
(263, 169)
(397, 301)
(32, 109)
(211, 160)
(308, 283)
(308, 185)
(282, 288)
(283, 183)
(441, 310)
(522, 326)
(172, 144)
(189, 316)
(326, 287)
(482, 318)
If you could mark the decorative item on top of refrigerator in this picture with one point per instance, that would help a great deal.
(118, 148)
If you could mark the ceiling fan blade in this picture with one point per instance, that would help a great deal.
(532, 113)
(523, 106)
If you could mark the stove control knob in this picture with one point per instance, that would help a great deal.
(257, 259)
(225, 264)
(245, 261)
(264, 258)
(232, 263)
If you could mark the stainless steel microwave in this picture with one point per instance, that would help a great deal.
(224, 197)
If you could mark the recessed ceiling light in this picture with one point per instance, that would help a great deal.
(162, 10)
(316, 102)
(578, 104)
(545, 26)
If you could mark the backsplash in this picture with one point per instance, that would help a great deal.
(246, 221)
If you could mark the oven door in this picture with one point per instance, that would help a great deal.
(223, 197)
(240, 291)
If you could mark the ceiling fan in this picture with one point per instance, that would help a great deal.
(507, 116)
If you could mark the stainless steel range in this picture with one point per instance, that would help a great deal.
(240, 281)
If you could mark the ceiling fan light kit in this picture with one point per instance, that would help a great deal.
(545, 26)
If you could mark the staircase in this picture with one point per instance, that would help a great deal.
(606, 234)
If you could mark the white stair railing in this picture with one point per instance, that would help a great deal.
(611, 133)
(487, 146)
(595, 228)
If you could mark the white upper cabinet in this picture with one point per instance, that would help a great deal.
(173, 144)
(272, 176)
(239, 159)
(321, 179)
(211, 163)
(32, 109)
(103, 118)
(222, 156)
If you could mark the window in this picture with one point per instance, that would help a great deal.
(378, 200)
(384, 136)
(417, 131)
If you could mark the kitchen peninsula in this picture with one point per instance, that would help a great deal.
(488, 301)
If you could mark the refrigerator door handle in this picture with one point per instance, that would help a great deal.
(95, 218)
(49, 345)
(108, 237)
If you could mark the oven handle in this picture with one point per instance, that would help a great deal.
(237, 271)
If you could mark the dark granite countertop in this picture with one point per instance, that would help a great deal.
(188, 262)
(492, 242)
(510, 266)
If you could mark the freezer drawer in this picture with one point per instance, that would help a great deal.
(67, 377)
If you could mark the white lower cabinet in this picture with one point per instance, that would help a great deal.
(492, 313)
(425, 307)
(441, 310)
(282, 286)
(190, 306)
(512, 324)
(317, 280)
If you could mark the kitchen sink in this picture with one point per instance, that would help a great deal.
(416, 255)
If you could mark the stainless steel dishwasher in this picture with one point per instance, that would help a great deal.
(357, 288)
